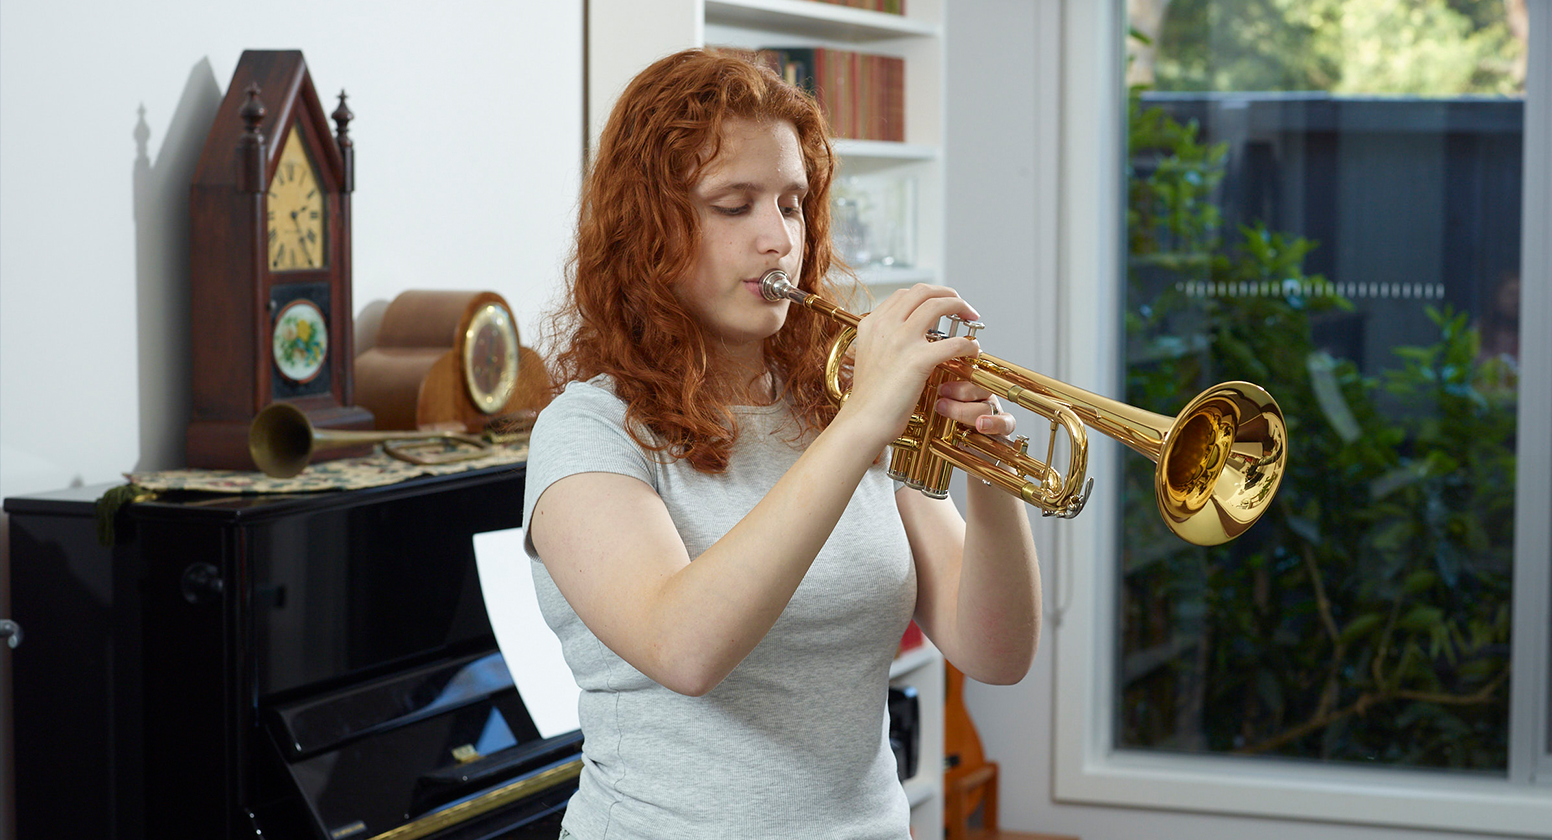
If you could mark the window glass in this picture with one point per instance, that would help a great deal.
(1325, 199)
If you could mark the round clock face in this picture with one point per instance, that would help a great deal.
(295, 205)
(300, 340)
(490, 357)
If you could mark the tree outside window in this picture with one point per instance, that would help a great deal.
(1324, 199)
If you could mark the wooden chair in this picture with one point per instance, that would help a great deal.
(970, 781)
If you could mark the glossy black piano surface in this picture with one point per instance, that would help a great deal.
(311, 666)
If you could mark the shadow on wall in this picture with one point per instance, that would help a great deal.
(161, 196)
(161, 215)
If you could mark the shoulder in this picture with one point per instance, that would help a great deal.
(582, 430)
(585, 420)
(587, 403)
(585, 413)
(595, 396)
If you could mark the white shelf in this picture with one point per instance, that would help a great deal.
(810, 19)
(919, 790)
(883, 150)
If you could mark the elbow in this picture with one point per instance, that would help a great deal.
(688, 679)
(1007, 665)
(689, 687)
(1002, 673)
(678, 658)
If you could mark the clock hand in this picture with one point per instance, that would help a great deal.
(301, 237)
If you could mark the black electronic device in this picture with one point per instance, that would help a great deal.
(905, 729)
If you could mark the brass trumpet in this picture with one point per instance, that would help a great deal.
(1219, 460)
(282, 441)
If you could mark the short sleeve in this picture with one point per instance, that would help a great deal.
(581, 430)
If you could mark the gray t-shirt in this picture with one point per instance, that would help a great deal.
(794, 742)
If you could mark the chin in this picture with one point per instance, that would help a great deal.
(756, 336)
(776, 325)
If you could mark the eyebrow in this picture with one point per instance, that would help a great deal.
(751, 187)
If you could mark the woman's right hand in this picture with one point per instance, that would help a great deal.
(892, 357)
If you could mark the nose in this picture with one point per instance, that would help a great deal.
(774, 235)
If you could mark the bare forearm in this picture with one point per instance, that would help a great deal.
(711, 613)
(998, 602)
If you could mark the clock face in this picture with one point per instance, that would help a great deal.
(300, 341)
(295, 203)
(490, 357)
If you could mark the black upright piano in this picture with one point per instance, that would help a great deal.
(273, 666)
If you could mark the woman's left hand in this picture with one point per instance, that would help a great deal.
(974, 406)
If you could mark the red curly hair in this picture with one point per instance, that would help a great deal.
(638, 235)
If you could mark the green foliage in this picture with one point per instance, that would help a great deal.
(1366, 616)
(1248, 45)
(1373, 47)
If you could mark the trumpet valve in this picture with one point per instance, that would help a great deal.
(971, 327)
(900, 460)
(936, 486)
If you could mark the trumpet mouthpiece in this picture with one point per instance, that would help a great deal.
(776, 286)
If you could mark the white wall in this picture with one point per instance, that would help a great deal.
(1003, 172)
(468, 137)
(468, 133)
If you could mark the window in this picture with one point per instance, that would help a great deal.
(1334, 200)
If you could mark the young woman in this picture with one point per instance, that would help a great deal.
(726, 563)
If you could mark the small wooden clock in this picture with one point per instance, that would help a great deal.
(450, 361)
(270, 242)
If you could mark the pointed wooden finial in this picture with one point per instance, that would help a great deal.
(253, 110)
(342, 117)
(251, 146)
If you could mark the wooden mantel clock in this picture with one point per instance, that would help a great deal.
(270, 241)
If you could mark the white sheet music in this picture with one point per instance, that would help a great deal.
(527, 644)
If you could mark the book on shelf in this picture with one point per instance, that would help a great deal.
(862, 94)
(893, 7)
(911, 640)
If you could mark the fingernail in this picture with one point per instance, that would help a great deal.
(981, 423)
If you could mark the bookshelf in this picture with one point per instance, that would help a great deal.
(624, 36)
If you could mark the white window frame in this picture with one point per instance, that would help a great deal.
(1087, 767)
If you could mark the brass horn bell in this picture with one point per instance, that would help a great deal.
(283, 441)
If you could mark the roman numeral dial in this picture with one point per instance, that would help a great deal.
(296, 211)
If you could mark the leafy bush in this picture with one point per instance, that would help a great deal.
(1365, 618)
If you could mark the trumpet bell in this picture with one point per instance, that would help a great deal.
(1220, 463)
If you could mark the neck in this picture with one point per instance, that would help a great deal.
(745, 382)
